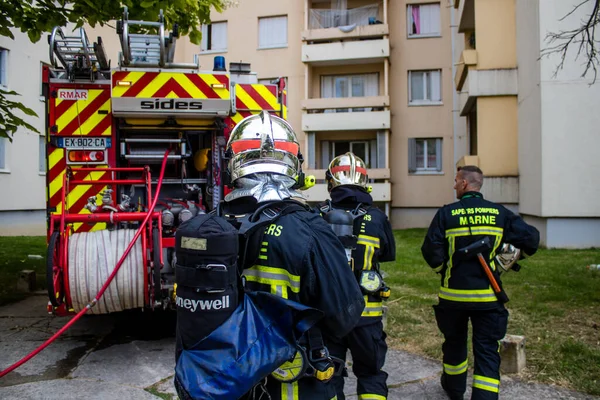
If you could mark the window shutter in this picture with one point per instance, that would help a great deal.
(204, 42)
(373, 153)
(381, 143)
(311, 150)
(219, 36)
(438, 154)
(3, 153)
(42, 155)
(436, 85)
(272, 32)
(412, 155)
(325, 150)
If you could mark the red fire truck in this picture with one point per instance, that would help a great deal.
(133, 151)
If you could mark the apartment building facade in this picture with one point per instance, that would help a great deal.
(368, 76)
(23, 161)
(531, 129)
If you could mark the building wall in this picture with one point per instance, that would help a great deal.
(563, 143)
(530, 111)
(412, 192)
(495, 28)
(21, 182)
(497, 144)
(242, 45)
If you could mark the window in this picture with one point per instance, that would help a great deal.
(359, 85)
(42, 154)
(272, 32)
(425, 155)
(424, 87)
(472, 129)
(3, 67)
(214, 37)
(365, 149)
(423, 20)
(3, 142)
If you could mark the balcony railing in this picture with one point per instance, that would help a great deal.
(346, 114)
(332, 18)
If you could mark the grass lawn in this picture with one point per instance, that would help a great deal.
(554, 303)
(13, 259)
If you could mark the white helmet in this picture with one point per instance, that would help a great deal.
(263, 143)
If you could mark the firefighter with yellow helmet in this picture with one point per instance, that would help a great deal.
(298, 257)
(373, 242)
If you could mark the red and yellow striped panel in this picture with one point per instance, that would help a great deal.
(82, 117)
(254, 98)
(77, 197)
(177, 85)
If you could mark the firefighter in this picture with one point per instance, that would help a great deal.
(467, 292)
(298, 257)
(347, 186)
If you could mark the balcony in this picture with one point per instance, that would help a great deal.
(468, 58)
(466, 15)
(359, 32)
(487, 83)
(350, 36)
(350, 52)
(346, 114)
(381, 191)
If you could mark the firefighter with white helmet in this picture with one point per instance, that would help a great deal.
(347, 180)
(298, 257)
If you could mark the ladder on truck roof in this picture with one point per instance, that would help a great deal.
(148, 49)
(77, 56)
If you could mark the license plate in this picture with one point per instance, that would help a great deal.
(84, 142)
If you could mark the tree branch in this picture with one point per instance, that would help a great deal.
(582, 37)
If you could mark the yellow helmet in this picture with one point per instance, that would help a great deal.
(346, 169)
(263, 143)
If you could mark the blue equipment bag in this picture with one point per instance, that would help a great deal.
(258, 337)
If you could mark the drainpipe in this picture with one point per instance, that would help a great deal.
(455, 101)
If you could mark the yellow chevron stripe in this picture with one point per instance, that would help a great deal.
(132, 77)
(77, 192)
(56, 184)
(246, 98)
(154, 85)
(95, 119)
(55, 157)
(76, 108)
(189, 87)
(237, 118)
(211, 79)
(267, 95)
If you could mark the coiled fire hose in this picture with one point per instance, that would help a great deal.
(106, 284)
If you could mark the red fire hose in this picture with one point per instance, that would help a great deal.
(103, 289)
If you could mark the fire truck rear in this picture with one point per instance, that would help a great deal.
(110, 132)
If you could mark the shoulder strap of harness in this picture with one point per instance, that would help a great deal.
(251, 227)
(357, 212)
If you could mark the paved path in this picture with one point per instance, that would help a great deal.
(131, 356)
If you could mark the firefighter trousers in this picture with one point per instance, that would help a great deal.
(368, 348)
(303, 389)
(489, 327)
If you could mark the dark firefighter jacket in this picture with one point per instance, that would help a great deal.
(301, 259)
(463, 281)
(375, 241)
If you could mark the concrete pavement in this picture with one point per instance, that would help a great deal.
(131, 356)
